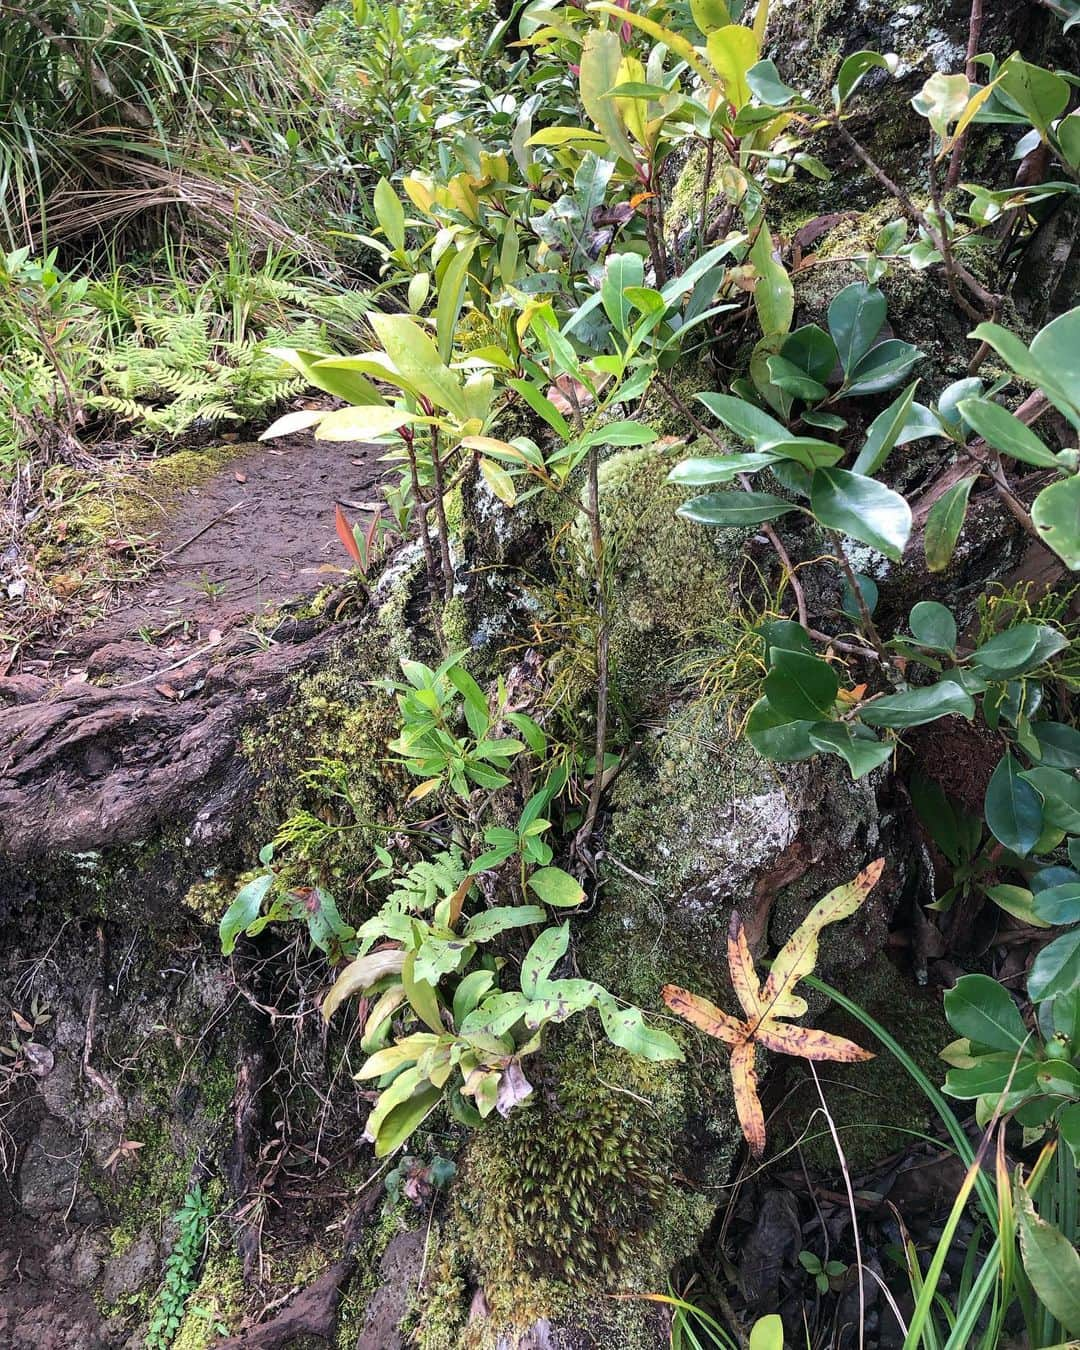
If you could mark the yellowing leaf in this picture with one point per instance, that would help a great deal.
(744, 1080)
(799, 954)
(706, 1016)
(361, 974)
(423, 789)
(741, 965)
(808, 1043)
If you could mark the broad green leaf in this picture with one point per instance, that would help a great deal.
(788, 377)
(350, 385)
(363, 423)
(885, 433)
(746, 420)
(421, 994)
(856, 315)
(800, 687)
(980, 1009)
(390, 214)
(1051, 1263)
(565, 136)
(1056, 515)
(543, 407)
(1040, 94)
(451, 295)
(989, 1076)
(469, 992)
(394, 1126)
(1061, 797)
(861, 508)
(292, 422)
(1069, 1130)
(417, 359)
(710, 15)
(499, 481)
(805, 450)
(1013, 809)
(933, 626)
(706, 470)
(601, 58)
(883, 367)
(1017, 901)
(1058, 905)
(243, 911)
(732, 509)
(675, 42)
(999, 428)
(1018, 650)
(776, 738)
(1068, 137)
(1056, 969)
(944, 523)
(854, 68)
(766, 85)
(621, 270)
(627, 1028)
(360, 975)
(812, 350)
(733, 50)
(1059, 744)
(862, 753)
(556, 887)
(774, 294)
(918, 706)
(767, 1333)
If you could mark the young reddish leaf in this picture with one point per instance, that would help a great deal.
(747, 1102)
(741, 965)
(809, 1044)
(798, 956)
(345, 534)
(706, 1016)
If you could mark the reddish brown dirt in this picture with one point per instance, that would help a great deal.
(258, 534)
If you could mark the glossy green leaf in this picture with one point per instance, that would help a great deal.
(399, 1123)
(812, 350)
(745, 419)
(706, 470)
(1056, 515)
(885, 432)
(542, 957)
(390, 214)
(626, 1027)
(1041, 95)
(852, 71)
(766, 85)
(417, 359)
(1017, 650)
(1051, 1263)
(944, 522)
(732, 509)
(918, 706)
(862, 753)
(800, 687)
(601, 59)
(777, 738)
(350, 385)
(1061, 797)
(861, 508)
(243, 911)
(733, 50)
(774, 293)
(488, 923)
(794, 381)
(1013, 809)
(933, 626)
(999, 428)
(556, 887)
(856, 315)
(990, 1075)
(710, 15)
(805, 450)
(1056, 969)
(1059, 744)
(1058, 905)
(980, 1008)
(883, 367)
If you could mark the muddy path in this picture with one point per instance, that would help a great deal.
(256, 536)
(137, 718)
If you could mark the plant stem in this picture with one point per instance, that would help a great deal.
(440, 515)
(987, 299)
(602, 642)
(971, 70)
(703, 218)
(869, 627)
(425, 534)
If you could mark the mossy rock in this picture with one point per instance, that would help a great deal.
(594, 1188)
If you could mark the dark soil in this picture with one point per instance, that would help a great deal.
(256, 536)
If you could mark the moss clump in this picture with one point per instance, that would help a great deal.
(667, 577)
(876, 1105)
(215, 1306)
(570, 1198)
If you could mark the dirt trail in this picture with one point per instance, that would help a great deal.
(137, 720)
(256, 535)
